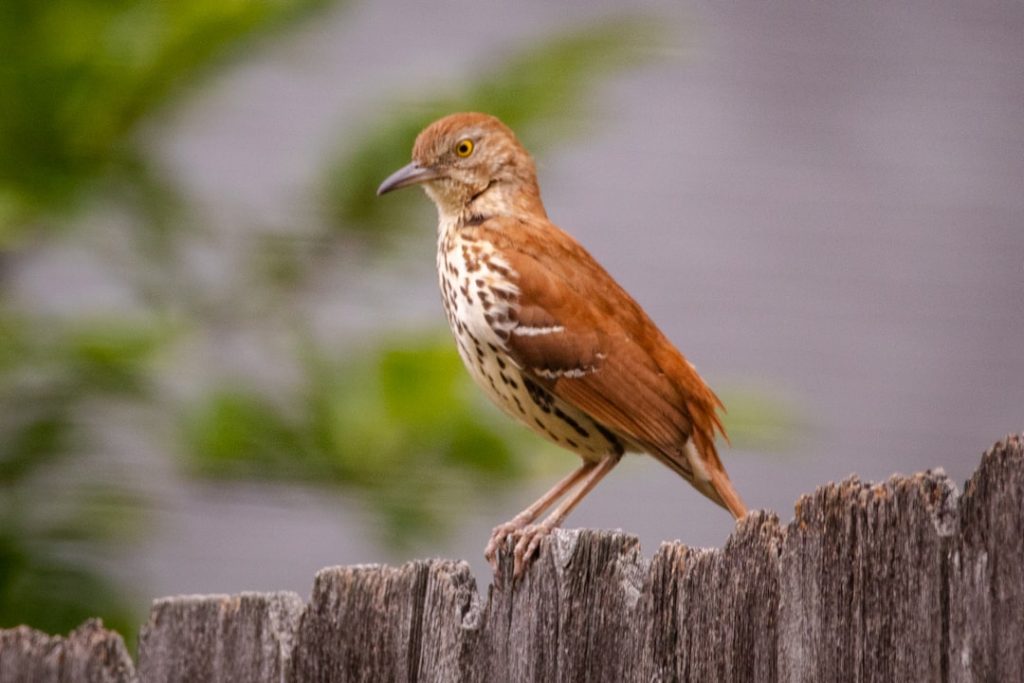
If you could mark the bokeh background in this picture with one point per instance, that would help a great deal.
(223, 362)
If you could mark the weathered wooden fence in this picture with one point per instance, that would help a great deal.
(901, 581)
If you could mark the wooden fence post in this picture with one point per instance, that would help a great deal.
(899, 581)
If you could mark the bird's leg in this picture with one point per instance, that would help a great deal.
(527, 516)
(530, 536)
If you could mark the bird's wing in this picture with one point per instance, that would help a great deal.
(579, 334)
(590, 361)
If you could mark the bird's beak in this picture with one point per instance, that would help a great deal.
(410, 174)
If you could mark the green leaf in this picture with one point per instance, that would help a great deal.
(112, 356)
(56, 596)
(236, 433)
(419, 381)
(31, 444)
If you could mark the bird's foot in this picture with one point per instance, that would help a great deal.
(527, 538)
(499, 535)
(527, 543)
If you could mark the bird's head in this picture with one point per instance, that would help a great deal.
(470, 162)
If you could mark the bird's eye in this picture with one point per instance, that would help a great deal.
(464, 148)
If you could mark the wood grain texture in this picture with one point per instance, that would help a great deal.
(711, 614)
(375, 623)
(986, 571)
(863, 581)
(899, 581)
(246, 637)
(89, 654)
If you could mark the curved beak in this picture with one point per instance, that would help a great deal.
(410, 174)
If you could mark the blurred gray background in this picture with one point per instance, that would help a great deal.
(822, 204)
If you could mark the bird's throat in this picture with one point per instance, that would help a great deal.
(460, 203)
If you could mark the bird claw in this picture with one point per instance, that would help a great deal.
(527, 544)
(526, 538)
(499, 535)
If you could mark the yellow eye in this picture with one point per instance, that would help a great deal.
(464, 148)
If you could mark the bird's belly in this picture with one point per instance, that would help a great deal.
(532, 405)
(476, 301)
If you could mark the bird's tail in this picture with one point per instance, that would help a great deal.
(697, 460)
(726, 493)
(702, 468)
(711, 479)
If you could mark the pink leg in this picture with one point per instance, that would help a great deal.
(531, 535)
(527, 516)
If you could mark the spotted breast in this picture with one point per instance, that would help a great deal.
(480, 295)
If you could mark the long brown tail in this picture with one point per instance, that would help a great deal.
(705, 473)
(715, 483)
(730, 499)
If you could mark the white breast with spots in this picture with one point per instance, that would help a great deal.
(479, 292)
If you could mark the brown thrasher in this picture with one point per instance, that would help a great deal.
(547, 333)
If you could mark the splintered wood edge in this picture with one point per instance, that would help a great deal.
(444, 584)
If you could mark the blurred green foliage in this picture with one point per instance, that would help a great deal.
(759, 420)
(54, 508)
(78, 76)
(400, 423)
(538, 92)
(48, 369)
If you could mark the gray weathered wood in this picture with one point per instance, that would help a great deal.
(899, 581)
(986, 571)
(863, 581)
(246, 637)
(371, 623)
(572, 617)
(89, 654)
(710, 615)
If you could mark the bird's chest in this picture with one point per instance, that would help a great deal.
(480, 299)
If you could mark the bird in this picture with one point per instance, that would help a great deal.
(549, 335)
